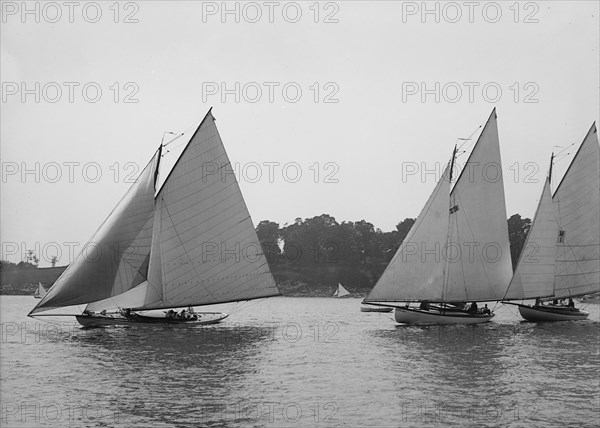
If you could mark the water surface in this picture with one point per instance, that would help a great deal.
(299, 362)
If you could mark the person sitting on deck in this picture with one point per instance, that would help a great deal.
(424, 305)
(486, 310)
(555, 302)
(538, 302)
(571, 303)
(473, 308)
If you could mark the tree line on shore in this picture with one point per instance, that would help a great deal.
(322, 252)
(317, 253)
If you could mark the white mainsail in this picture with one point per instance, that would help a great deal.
(534, 275)
(207, 250)
(458, 248)
(195, 243)
(341, 291)
(577, 204)
(479, 263)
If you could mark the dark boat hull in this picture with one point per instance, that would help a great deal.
(551, 313)
(434, 316)
(97, 320)
(380, 309)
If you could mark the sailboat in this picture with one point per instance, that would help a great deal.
(40, 291)
(341, 291)
(561, 256)
(189, 243)
(457, 251)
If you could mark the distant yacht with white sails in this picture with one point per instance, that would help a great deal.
(40, 291)
(457, 251)
(341, 291)
(190, 243)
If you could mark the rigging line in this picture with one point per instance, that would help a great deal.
(177, 136)
(565, 148)
(466, 140)
(560, 158)
(561, 154)
(162, 140)
(510, 309)
(481, 258)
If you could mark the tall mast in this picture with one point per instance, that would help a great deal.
(449, 223)
(452, 163)
(157, 165)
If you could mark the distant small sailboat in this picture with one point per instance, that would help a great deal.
(341, 291)
(40, 291)
(457, 251)
(191, 244)
(560, 258)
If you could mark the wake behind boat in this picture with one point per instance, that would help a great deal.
(191, 244)
(444, 262)
(560, 258)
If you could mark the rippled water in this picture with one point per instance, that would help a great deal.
(299, 362)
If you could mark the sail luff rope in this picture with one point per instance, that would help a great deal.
(565, 148)
(177, 136)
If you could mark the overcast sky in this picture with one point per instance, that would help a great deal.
(360, 131)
